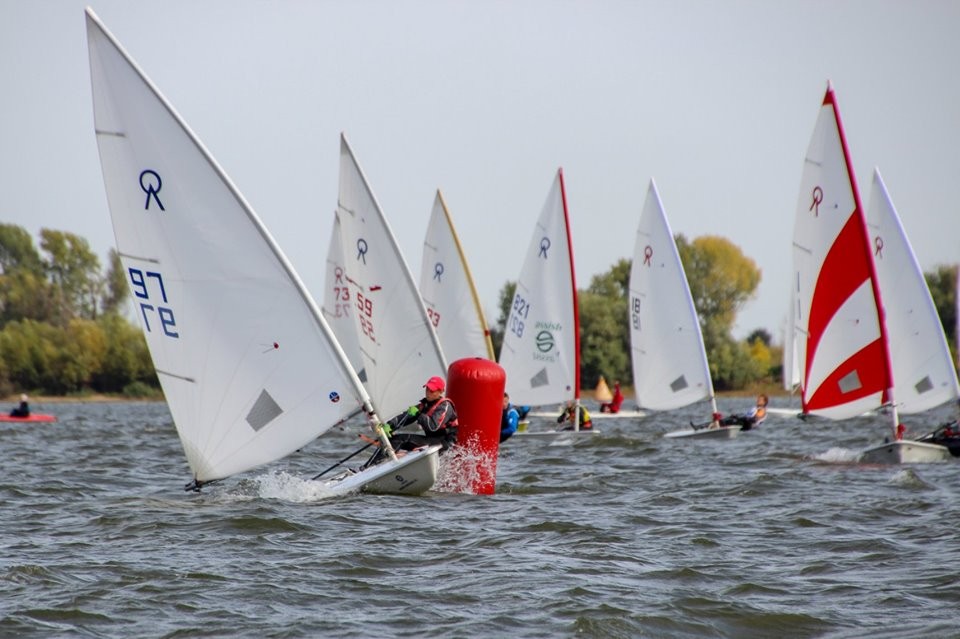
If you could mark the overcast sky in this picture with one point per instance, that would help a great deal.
(486, 99)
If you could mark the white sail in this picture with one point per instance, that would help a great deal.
(399, 346)
(841, 341)
(670, 367)
(540, 351)
(250, 370)
(448, 291)
(923, 372)
(338, 306)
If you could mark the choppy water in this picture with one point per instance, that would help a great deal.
(774, 534)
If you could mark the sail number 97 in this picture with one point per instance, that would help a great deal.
(143, 284)
(520, 312)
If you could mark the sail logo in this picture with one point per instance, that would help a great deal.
(545, 341)
(150, 183)
(334, 396)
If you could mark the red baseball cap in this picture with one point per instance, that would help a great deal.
(434, 384)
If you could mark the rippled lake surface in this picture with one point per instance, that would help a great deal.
(777, 533)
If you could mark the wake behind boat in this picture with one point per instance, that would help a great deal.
(249, 367)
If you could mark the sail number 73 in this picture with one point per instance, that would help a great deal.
(148, 285)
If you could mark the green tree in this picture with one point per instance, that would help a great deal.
(506, 302)
(604, 330)
(24, 292)
(114, 286)
(74, 272)
(942, 283)
(126, 359)
(722, 279)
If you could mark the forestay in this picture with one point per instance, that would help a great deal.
(670, 367)
(399, 346)
(448, 290)
(249, 368)
(923, 372)
(541, 344)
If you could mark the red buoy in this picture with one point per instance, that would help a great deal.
(476, 387)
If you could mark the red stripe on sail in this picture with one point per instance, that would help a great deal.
(869, 365)
(845, 269)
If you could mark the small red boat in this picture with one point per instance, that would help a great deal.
(32, 417)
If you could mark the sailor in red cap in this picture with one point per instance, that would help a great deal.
(436, 416)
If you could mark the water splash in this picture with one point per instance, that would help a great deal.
(289, 488)
(837, 456)
(907, 478)
(464, 467)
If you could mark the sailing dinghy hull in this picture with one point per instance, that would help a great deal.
(411, 474)
(724, 432)
(905, 452)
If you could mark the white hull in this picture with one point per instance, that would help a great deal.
(594, 415)
(412, 474)
(905, 452)
(724, 432)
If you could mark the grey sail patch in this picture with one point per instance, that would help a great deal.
(924, 385)
(540, 379)
(850, 382)
(679, 384)
(264, 411)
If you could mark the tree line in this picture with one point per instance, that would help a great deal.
(62, 329)
(722, 279)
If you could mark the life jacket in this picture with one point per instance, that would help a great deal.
(450, 425)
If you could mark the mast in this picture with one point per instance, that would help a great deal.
(466, 270)
(576, 307)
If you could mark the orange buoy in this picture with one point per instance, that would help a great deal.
(476, 387)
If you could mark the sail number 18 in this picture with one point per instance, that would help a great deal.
(142, 284)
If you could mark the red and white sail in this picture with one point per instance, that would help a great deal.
(841, 337)
(923, 371)
(541, 343)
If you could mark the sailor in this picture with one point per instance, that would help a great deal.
(23, 410)
(434, 413)
(751, 418)
(567, 415)
(613, 406)
(509, 421)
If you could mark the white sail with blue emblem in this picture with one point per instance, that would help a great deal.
(448, 291)
(249, 368)
(923, 372)
(400, 349)
(541, 342)
(669, 360)
(337, 307)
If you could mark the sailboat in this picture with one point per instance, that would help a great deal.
(923, 372)
(541, 343)
(398, 345)
(448, 290)
(669, 360)
(250, 370)
(842, 339)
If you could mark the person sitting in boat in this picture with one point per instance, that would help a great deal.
(509, 421)
(434, 413)
(751, 418)
(23, 410)
(613, 406)
(567, 415)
